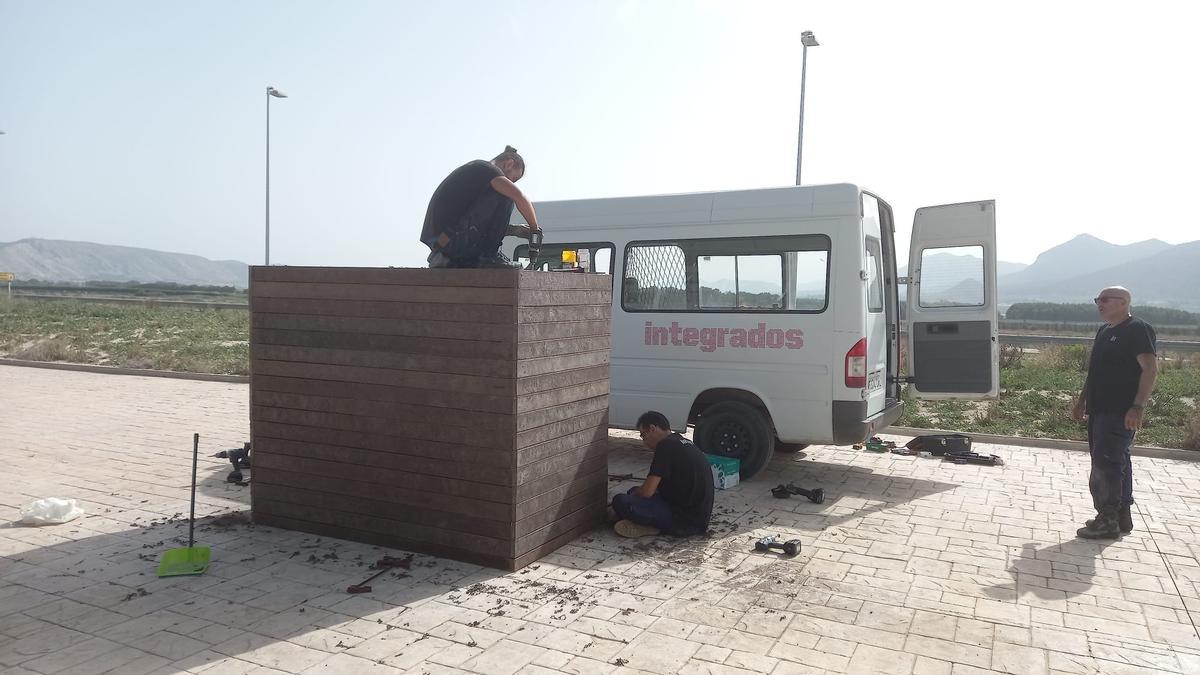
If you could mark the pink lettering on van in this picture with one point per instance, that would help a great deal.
(712, 339)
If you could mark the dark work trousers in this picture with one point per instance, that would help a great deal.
(1111, 482)
(654, 511)
(480, 230)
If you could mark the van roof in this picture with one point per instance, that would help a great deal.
(805, 201)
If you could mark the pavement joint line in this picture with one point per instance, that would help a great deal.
(1170, 570)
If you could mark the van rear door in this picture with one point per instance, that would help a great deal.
(876, 328)
(951, 319)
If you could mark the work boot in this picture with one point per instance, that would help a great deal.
(628, 528)
(1124, 520)
(1105, 525)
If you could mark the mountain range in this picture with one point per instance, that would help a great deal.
(1156, 272)
(79, 261)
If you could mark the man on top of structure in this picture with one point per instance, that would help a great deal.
(469, 213)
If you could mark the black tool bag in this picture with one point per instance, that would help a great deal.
(940, 444)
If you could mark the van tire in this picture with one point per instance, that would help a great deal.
(736, 429)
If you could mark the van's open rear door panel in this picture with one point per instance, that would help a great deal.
(953, 350)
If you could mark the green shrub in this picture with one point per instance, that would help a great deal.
(1191, 431)
(1064, 357)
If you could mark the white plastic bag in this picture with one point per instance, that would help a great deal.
(50, 511)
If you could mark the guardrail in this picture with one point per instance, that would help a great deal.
(133, 301)
(1017, 325)
(1033, 340)
(1005, 338)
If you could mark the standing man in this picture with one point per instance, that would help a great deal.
(1120, 378)
(469, 213)
(677, 497)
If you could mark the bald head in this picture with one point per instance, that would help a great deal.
(1113, 304)
(1119, 291)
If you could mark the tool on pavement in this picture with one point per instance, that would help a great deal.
(194, 559)
(789, 548)
(940, 444)
(816, 495)
(240, 459)
(973, 458)
(877, 444)
(384, 564)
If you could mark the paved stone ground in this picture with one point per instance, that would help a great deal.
(911, 565)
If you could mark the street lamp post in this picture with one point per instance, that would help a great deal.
(271, 92)
(808, 40)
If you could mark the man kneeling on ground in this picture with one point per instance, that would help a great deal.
(677, 497)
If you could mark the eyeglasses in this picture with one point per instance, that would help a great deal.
(1106, 298)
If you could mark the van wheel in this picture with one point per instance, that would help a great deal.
(734, 429)
(789, 448)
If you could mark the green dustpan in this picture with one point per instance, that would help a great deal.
(179, 562)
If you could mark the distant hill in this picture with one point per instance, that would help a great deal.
(78, 261)
(1003, 267)
(1081, 255)
(1168, 278)
(1156, 272)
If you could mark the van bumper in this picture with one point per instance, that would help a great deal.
(851, 424)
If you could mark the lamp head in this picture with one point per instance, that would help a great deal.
(276, 93)
(808, 39)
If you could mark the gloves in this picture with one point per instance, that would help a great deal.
(521, 231)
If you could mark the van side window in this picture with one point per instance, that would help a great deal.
(874, 277)
(751, 274)
(741, 281)
(655, 278)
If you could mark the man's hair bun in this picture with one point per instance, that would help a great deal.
(511, 153)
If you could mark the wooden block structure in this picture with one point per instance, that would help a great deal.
(461, 413)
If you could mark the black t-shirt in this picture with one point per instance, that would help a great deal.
(454, 196)
(1113, 371)
(687, 481)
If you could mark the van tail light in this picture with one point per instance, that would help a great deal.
(856, 365)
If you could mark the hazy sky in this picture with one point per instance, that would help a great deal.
(142, 123)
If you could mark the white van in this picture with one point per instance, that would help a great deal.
(768, 317)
